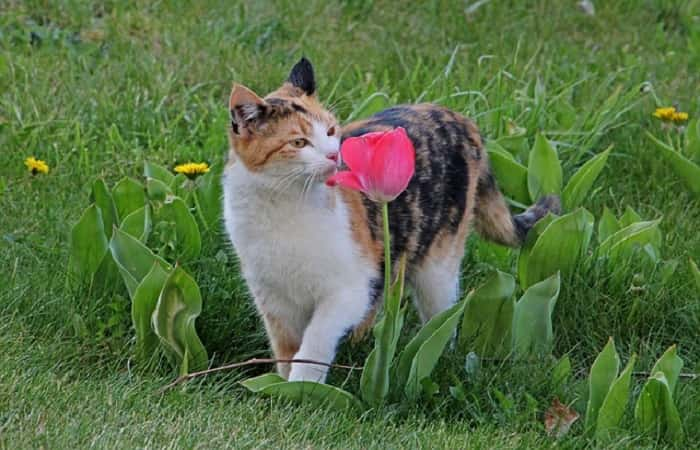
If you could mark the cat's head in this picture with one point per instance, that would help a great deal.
(287, 134)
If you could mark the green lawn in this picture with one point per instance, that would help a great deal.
(96, 88)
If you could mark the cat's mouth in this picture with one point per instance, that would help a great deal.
(328, 171)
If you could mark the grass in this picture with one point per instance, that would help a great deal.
(95, 88)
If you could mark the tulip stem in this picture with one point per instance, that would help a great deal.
(387, 250)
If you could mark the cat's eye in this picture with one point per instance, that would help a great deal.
(299, 142)
(331, 131)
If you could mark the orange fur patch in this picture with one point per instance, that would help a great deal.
(359, 227)
(257, 150)
(448, 245)
(349, 128)
(371, 249)
(493, 218)
(284, 343)
(270, 142)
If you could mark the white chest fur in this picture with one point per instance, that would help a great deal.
(301, 265)
(297, 248)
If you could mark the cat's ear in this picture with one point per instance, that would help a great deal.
(246, 108)
(302, 76)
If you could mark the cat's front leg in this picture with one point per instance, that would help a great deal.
(284, 321)
(331, 321)
(284, 340)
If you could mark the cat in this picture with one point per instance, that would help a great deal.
(312, 254)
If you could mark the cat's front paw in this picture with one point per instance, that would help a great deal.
(308, 372)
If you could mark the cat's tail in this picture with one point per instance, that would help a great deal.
(493, 219)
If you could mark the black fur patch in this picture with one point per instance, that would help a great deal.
(298, 108)
(436, 197)
(285, 107)
(234, 124)
(526, 220)
(376, 287)
(302, 76)
(273, 109)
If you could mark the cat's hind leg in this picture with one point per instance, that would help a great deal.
(436, 285)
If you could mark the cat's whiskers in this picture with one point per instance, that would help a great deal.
(281, 185)
(335, 105)
(308, 182)
(315, 175)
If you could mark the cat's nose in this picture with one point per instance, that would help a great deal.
(333, 156)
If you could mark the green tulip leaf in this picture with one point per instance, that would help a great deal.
(530, 240)
(510, 174)
(128, 196)
(103, 199)
(544, 173)
(637, 235)
(178, 306)
(88, 243)
(142, 307)
(407, 356)
(107, 275)
(495, 255)
(257, 384)
(696, 273)
(375, 380)
(157, 190)
(559, 247)
(532, 318)
(561, 372)
(582, 181)
(615, 402)
(152, 170)
(488, 317)
(670, 364)
(692, 136)
(603, 372)
(425, 349)
(516, 145)
(315, 393)
(655, 412)
(188, 240)
(629, 217)
(179, 185)
(133, 258)
(688, 171)
(608, 225)
(303, 392)
(666, 270)
(207, 199)
(138, 223)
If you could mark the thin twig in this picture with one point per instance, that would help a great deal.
(689, 376)
(252, 362)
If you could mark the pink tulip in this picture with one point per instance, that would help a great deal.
(381, 164)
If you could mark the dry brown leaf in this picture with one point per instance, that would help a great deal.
(559, 418)
(95, 35)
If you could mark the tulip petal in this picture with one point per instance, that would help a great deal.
(345, 179)
(392, 165)
(356, 154)
(373, 137)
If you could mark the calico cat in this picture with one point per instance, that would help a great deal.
(312, 254)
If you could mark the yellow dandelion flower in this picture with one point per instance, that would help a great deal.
(192, 170)
(36, 165)
(665, 114)
(679, 117)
